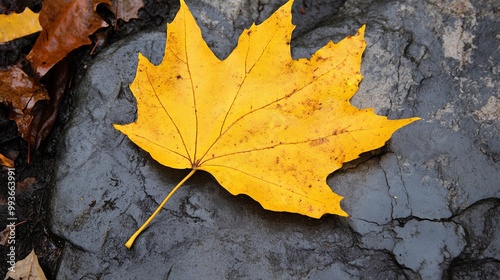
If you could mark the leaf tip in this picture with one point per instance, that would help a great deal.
(361, 30)
(122, 127)
(336, 208)
(183, 7)
(411, 120)
(340, 211)
(141, 57)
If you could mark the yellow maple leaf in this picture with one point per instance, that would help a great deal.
(261, 123)
(15, 26)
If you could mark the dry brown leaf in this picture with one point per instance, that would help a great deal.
(20, 93)
(67, 25)
(26, 185)
(126, 9)
(4, 234)
(56, 82)
(27, 269)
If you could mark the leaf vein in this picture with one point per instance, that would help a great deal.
(288, 143)
(247, 72)
(169, 116)
(154, 143)
(263, 107)
(194, 96)
(268, 182)
(239, 90)
(176, 56)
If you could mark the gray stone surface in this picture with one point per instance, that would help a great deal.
(424, 207)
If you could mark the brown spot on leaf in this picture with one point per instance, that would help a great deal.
(318, 141)
(311, 105)
(339, 131)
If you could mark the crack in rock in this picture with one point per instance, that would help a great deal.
(416, 250)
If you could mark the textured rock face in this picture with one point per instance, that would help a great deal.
(426, 207)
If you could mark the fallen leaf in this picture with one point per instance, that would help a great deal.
(26, 185)
(20, 93)
(27, 269)
(56, 82)
(261, 123)
(5, 161)
(67, 25)
(15, 26)
(126, 9)
(4, 234)
(100, 39)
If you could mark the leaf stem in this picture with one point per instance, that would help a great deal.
(134, 236)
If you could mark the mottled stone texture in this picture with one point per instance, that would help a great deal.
(424, 207)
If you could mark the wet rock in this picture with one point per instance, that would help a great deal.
(222, 22)
(479, 259)
(427, 247)
(418, 207)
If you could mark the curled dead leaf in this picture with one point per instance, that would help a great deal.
(27, 269)
(4, 234)
(67, 25)
(126, 9)
(56, 82)
(20, 93)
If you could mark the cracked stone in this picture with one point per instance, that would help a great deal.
(397, 189)
(367, 199)
(427, 247)
(425, 207)
(481, 221)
